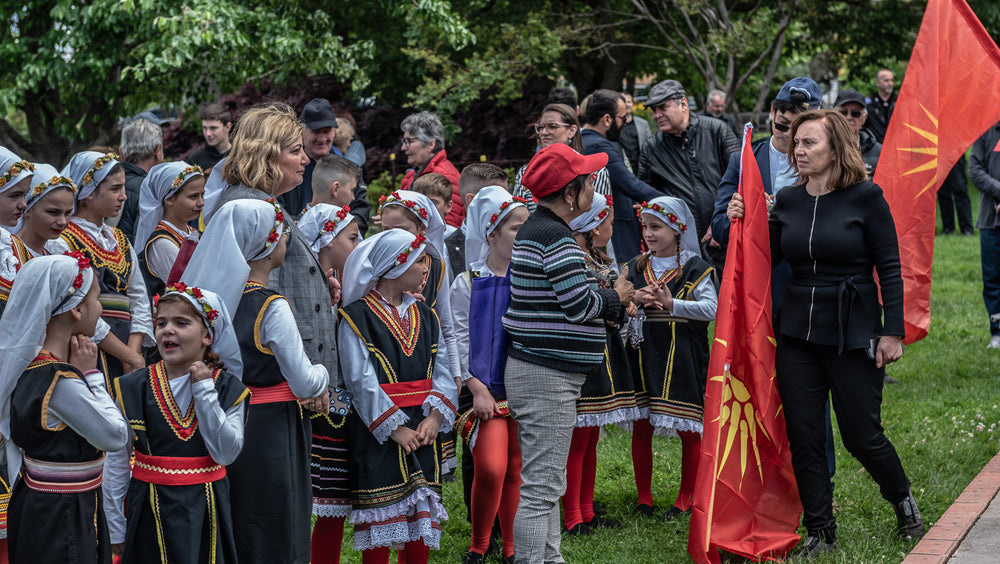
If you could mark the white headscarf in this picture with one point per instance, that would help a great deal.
(88, 169)
(425, 211)
(44, 288)
(214, 187)
(675, 213)
(45, 180)
(378, 257)
(590, 219)
(484, 213)
(241, 231)
(164, 180)
(322, 222)
(216, 317)
(12, 169)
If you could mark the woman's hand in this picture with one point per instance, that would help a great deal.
(319, 404)
(406, 438)
(200, 371)
(890, 349)
(735, 209)
(625, 288)
(483, 404)
(82, 353)
(655, 295)
(427, 430)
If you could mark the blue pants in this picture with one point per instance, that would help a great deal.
(989, 253)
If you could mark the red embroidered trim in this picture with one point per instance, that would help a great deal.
(113, 257)
(651, 278)
(183, 425)
(404, 332)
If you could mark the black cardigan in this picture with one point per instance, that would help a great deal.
(833, 242)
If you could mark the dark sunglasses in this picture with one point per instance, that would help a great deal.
(781, 127)
(856, 114)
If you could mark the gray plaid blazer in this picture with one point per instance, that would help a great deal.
(302, 281)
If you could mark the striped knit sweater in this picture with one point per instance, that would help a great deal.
(556, 315)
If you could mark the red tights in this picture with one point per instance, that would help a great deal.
(327, 538)
(642, 461)
(496, 483)
(414, 552)
(581, 472)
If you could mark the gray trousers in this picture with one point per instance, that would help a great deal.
(543, 402)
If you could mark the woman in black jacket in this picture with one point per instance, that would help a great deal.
(834, 227)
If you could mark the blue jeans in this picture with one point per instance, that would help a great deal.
(989, 253)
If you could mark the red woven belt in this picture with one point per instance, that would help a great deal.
(176, 470)
(271, 394)
(408, 394)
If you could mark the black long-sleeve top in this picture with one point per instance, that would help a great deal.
(833, 242)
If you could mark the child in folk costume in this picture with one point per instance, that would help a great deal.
(100, 183)
(269, 481)
(608, 395)
(416, 213)
(57, 413)
(668, 338)
(186, 412)
(491, 223)
(172, 194)
(50, 205)
(333, 235)
(15, 182)
(404, 395)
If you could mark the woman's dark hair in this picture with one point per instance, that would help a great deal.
(598, 255)
(211, 359)
(569, 117)
(848, 166)
(574, 188)
(794, 104)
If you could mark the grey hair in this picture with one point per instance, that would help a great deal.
(425, 126)
(140, 137)
(714, 93)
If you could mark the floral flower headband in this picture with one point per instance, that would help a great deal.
(98, 165)
(607, 208)
(670, 216)
(331, 224)
(207, 311)
(183, 174)
(83, 263)
(395, 198)
(279, 223)
(14, 170)
(496, 217)
(39, 189)
(403, 256)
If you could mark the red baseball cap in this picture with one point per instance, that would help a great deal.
(555, 166)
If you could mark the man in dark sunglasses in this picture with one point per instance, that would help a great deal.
(851, 104)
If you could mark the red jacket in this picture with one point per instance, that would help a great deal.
(440, 164)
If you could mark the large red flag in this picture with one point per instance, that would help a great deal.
(745, 499)
(948, 99)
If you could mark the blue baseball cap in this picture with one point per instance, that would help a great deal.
(804, 85)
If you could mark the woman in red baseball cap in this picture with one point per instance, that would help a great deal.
(557, 337)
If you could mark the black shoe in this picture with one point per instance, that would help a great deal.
(889, 380)
(600, 508)
(968, 232)
(604, 523)
(814, 546)
(644, 510)
(449, 477)
(673, 513)
(473, 558)
(909, 523)
(947, 231)
(580, 530)
(509, 559)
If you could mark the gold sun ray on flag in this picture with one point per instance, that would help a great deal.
(931, 151)
(740, 424)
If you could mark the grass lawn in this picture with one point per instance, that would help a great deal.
(943, 419)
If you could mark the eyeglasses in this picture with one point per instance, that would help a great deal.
(622, 117)
(550, 127)
(783, 128)
(407, 141)
(856, 114)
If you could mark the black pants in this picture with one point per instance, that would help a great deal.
(953, 197)
(807, 374)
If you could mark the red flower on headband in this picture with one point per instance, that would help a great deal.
(402, 258)
(212, 314)
(207, 311)
(197, 292)
(329, 226)
(82, 263)
(180, 286)
(272, 237)
(343, 212)
(156, 300)
(610, 199)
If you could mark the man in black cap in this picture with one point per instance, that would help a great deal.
(851, 104)
(687, 158)
(317, 141)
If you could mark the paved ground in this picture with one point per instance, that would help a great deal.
(969, 532)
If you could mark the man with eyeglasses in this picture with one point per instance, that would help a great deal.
(851, 104)
(687, 158)
(605, 115)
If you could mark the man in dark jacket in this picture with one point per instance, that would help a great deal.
(605, 117)
(687, 157)
(883, 102)
(142, 149)
(984, 168)
(851, 104)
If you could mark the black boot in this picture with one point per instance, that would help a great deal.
(818, 542)
(909, 523)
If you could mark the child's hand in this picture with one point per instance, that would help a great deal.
(82, 352)
(118, 549)
(427, 430)
(335, 287)
(132, 362)
(200, 371)
(656, 295)
(406, 438)
(632, 309)
(483, 404)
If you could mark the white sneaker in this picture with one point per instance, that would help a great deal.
(994, 342)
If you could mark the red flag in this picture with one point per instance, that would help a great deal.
(745, 500)
(947, 101)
